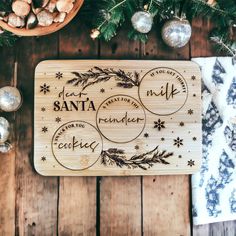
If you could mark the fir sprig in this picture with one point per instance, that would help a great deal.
(5, 5)
(114, 156)
(7, 39)
(225, 45)
(113, 14)
(223, 41)
(109, 17)
(97, 75)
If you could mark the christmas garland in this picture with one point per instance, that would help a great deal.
(140, 16)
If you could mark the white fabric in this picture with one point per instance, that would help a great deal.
(214, 187)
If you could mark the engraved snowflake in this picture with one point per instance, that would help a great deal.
(146, 135)
(190, 111)
(178, 142)
(59, 75)
(102, 90)
(191, 163)
(58, 119)
(45, 88)
(43, 158)
(194, 138)
(159, 124)
(181, 123)
(45, 129)
(136, 147)
(43, 109)
(193, 77)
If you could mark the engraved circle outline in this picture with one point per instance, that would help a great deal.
(139, 87)
(145, 118)
(66, 166)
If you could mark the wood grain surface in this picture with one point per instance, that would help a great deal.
(155, 205)
(120, 206)
(161, 191)
(7, 161)
(77, 196)
(40, 216)
(163, 134)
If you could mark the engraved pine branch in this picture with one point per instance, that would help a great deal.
(97, 75)
(114, 156)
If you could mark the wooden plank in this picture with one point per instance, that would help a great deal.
(7, 161)
(77, 206)
(202, 47)
(36, 202)
(166, 201)
(120, 47)
(201, 230)
(226, 228)
(75, 42)
(107, 135)
(120, 206)
(120, 198)
(77, 196)
(200, 43)
(166, 198)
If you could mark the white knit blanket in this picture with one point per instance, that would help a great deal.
(214, 187)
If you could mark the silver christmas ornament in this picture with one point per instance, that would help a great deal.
(142, 21)
(5, 147)
(4, 130)
(176, 33)
(10, 99)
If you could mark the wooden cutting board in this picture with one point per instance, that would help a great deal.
(110, 117)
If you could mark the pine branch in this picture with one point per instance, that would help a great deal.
(201, 7)
(222, 13)
(98, 75)
(134, 35)
(110, 15)
(5, 5)
(224, 45)
(144, 161)
(7, 39)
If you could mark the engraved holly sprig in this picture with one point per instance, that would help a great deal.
(114, 156)
(97, 75)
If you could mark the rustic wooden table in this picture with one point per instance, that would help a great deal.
(34, 205)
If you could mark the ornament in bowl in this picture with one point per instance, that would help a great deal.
(38, 17)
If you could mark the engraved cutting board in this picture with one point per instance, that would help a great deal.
(111, 117)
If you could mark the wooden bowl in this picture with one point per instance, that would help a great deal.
(44, 30)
